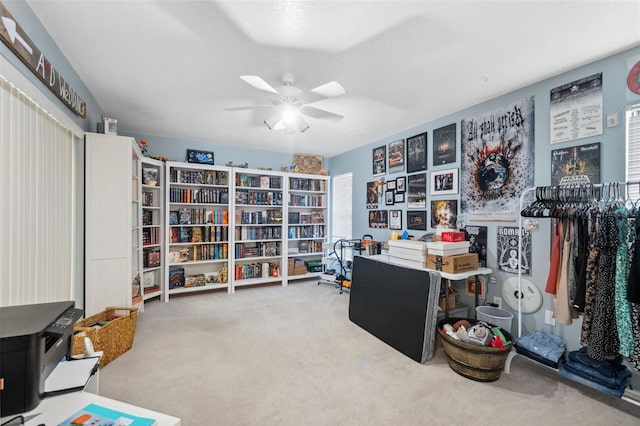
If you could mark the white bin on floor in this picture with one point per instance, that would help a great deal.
(495, 316)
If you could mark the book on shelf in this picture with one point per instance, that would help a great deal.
(176, 277)
(94, 414)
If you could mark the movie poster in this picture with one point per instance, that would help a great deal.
(379, 160)
(396, 156)
(374, 192)
(497, 160)
(444, 214)
(477, 237)
(577, 164)
(444, 145)
(378, 219)
(508, 250)
(576, 110)
(417, 191)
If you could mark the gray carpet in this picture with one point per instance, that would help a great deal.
(290, 356)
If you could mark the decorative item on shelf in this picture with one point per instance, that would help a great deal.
(142, 144)
(222, 274)
(310, 164)
(242, 166)
(265, 168)
(200, 157)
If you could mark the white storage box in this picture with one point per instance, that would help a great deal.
(442, 248)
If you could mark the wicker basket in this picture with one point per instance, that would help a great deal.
(481, 363)
(113, 339)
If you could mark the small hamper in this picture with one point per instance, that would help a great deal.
(113, 339)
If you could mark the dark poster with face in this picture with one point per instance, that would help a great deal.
(444, 145)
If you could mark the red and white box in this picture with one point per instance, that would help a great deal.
(452, 237)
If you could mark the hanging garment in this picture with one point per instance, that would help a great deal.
(633, 292)
(591, 279)
(622, 308)
(556, 258)
(580, 261)
(603, 338)
(562, 312)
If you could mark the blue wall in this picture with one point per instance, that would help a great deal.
(614, 71)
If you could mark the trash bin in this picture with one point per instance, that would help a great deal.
(495, 316)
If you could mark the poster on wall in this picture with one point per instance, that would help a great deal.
(577, 164)
(633, 78)
(508, 250)
(396, 156)
(379, 155)
(417, 220)
(444, 214)
(576, 110)
(374, 194)
(497, 160)
(378, 219)
(417, 191)
(444, 145)
(417, 153)
(477, 237)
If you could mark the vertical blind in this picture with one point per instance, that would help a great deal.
(633, 149)
(37, 210)
(341, 206)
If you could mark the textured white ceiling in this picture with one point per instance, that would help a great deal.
(170, 68)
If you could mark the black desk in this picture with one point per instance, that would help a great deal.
(396, 304)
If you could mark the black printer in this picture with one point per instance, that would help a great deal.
(33, 340)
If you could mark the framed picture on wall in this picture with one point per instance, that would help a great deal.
(444, 214)
(200, 157)
(417, 153)
(391, 185)
(444, 145)
(388, 198)
(417, 220)
(399, 197)
(380, 160)
(401, 184)
(396, 156)
(444, 182)
(417, 191)
(395, 219)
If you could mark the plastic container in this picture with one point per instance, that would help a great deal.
(495, 316)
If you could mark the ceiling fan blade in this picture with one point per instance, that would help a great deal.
(248, 107)
(258, 83)
(329, 90)
(319, 113)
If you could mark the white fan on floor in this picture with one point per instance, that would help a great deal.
(531, 295)
(290, 104)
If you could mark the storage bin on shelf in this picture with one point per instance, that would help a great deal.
(111, 331)
(475, 362)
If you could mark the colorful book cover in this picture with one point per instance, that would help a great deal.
(94, 414)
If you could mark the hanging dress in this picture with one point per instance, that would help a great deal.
(591, 278)
(622, 308)
(603, 338)
(580, 261)
(633, 291)
(556, 258)
(563, 313)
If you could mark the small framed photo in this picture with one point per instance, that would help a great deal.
(417, 220)
(388, 198)
(470, 288)
(401, 184)
(399, 197)
(199, 157)
(395, 219)
(391, 185)
(444, 182)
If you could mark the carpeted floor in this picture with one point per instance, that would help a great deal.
(290, 356)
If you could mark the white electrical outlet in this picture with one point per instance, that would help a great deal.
(549, 319)
(498, 301)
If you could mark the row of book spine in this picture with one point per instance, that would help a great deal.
(259, 233)
(256, 270)
(300, 184)
(309, 231)
(267, 182)
(199, 177)
(313, 217)
(259, 198)
(306, 200)
(207, 234)
(201, 195)
(147, 199)
(150, 236)
(257, 249)
(264, 217)
(310, 246)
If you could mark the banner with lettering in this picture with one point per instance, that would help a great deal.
(497, 161)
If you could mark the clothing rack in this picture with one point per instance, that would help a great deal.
(570, 194)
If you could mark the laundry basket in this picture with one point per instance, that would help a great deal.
(495, 316)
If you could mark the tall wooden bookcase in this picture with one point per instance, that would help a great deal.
(113, 232)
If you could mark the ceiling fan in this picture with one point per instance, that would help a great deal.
(290, 103)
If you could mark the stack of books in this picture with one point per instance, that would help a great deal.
(408, 253)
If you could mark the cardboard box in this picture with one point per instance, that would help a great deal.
(453, 264)
(451, 299)
(452, 237)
